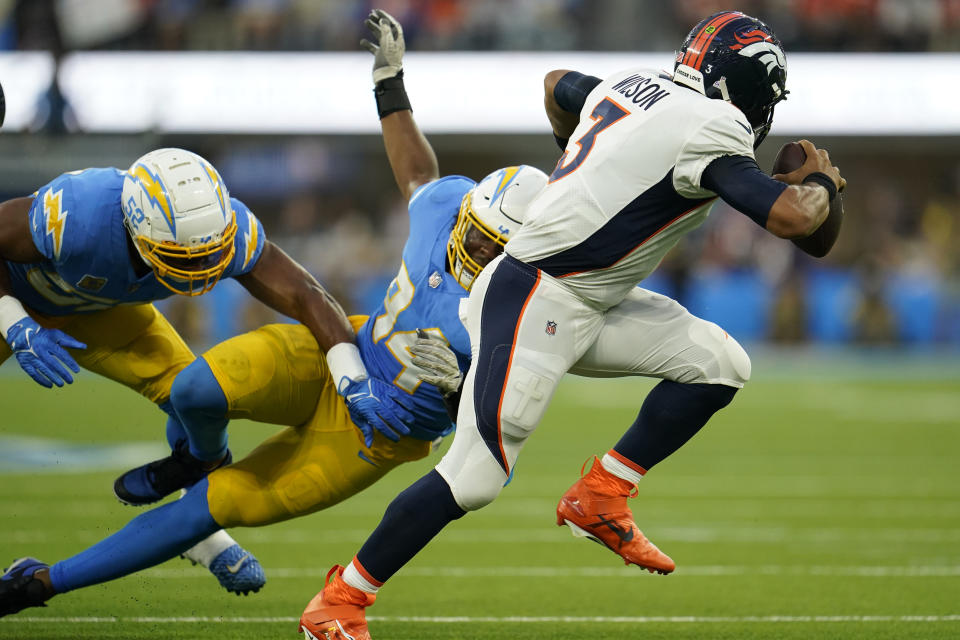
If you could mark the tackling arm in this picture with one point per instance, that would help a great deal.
(16, 243)
(283, 285)
(40, 351)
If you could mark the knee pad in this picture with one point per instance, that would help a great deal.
(476, 485)
(737, 361)
(716, 359)
(196, 391)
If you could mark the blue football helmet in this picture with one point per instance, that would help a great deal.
(737, 58)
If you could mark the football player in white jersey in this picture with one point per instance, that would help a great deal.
(646, 154)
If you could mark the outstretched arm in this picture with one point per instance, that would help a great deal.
(282, 284)
(411, 157)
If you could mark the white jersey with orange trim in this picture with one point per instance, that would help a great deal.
(628, 185)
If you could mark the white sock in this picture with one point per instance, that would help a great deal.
(355, 579)
(619, 469)
(206, 550)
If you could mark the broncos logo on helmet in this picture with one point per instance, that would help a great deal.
(737, 58)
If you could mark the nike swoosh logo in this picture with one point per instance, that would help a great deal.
(26, 335)
(625, 535)
(352, 396)
(363, 456)
(748, 129)
(233, 568)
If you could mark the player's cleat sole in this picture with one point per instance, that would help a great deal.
(156, 480)
(20, 588)
(581, 533)
(238, 571)
(338, 612)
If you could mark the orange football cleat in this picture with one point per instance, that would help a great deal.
(337, 612)
(595, 507)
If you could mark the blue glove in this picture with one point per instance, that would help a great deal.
(40, 352)
(377, 405)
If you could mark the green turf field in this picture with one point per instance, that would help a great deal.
(824, 504)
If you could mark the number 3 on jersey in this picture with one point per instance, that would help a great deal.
(604, 115)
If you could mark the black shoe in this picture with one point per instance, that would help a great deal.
(158, 479)
(20, 589)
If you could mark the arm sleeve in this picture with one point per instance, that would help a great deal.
(743, 185)
(572, 90)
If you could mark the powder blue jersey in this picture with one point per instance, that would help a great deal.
(77, 224)
(424, 295)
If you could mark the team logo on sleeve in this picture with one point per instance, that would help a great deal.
(55, 216)
(250, 237)
(551, 328)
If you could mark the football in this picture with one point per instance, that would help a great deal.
(790, 158)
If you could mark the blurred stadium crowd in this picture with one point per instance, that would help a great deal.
(894, 277)
(600, 25)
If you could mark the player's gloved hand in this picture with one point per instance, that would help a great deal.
(41, 352)
(387, 47)
(438, 361)
(374, 404)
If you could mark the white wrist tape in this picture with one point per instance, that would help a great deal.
(345, 364)
(11, 312)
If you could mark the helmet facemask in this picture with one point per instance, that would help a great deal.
(490, 214)
(189, 271)
(468, 233)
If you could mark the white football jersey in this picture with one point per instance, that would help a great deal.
(628, 185)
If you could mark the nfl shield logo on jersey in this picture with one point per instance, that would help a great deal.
(435, 280)
(551, 328)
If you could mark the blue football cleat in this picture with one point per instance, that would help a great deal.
(19, 588)
(238, 571)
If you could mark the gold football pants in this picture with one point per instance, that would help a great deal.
(278, 374)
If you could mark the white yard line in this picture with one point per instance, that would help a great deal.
(863, 571)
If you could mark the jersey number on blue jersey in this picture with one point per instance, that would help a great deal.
(399, 296)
